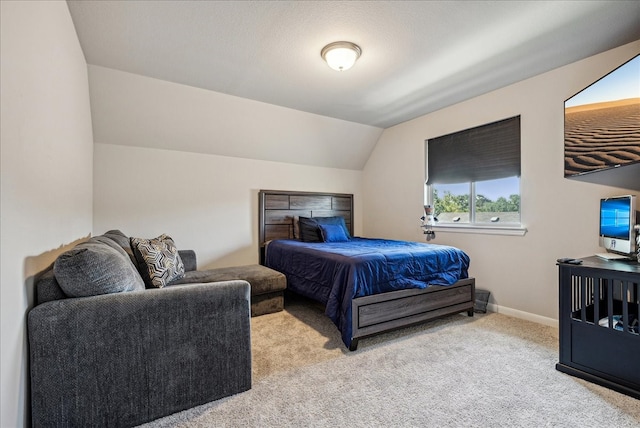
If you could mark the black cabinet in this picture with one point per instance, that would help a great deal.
(598, 320)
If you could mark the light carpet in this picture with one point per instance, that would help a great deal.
(487, 371)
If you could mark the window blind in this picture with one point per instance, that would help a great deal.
(486, 152)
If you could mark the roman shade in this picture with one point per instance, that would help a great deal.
(486, 152)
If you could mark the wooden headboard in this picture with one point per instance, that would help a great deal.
(278, 209)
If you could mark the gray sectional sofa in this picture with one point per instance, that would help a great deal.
(109, 350)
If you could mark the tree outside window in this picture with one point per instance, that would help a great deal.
(491, 201)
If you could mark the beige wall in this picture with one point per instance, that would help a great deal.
(153, 172)
(561, 215)
(46, 186)
(207, 203)
(138, 111)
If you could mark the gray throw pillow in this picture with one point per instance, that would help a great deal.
(124, 242)
(158, 260)
(96, 267)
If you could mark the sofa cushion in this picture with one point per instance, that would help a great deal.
(158, 260)
(124, 242)
(48, 288)
(189, 260)
(262, 279)
(96, 267)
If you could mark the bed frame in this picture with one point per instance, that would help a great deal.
(371, 314)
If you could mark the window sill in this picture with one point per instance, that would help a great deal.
(482, 229)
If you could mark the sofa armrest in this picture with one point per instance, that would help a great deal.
(188, 258)
(127, 358)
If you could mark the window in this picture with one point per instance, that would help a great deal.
(474, 176)
(482, 202)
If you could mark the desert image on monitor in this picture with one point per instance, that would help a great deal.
(601, 135)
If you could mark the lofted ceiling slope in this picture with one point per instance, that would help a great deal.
(417, 56)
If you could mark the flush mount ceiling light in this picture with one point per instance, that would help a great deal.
(341, 55)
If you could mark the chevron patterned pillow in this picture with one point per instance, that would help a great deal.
(161, 259)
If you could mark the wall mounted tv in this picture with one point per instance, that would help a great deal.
(602, 129)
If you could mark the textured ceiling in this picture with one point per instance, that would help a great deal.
(417, 56)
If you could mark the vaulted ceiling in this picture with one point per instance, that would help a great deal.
(417, 56)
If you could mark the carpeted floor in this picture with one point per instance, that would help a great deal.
(487, 371)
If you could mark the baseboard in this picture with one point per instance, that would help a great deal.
(492, 307)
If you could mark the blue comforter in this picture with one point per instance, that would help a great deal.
(335, 273)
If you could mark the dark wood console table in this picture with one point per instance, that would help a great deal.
(599, 340)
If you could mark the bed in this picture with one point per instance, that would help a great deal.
(368, 286)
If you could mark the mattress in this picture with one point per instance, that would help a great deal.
(335, 273)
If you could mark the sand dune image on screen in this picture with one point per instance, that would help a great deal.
(601, 135)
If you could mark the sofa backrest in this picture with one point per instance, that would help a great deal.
(48, 288)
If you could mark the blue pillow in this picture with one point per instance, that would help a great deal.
(333, 233)
(337, 220)
(309, 227)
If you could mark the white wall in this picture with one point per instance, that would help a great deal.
(207, 203)
(154, 171)
(133, 110)
(561, 215)
(46, 158)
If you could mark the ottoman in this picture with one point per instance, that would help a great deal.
(267, 286)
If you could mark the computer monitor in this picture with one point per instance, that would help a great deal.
(618, 218)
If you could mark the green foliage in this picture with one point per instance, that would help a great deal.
(449, 203)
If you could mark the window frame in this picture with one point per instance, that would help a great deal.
(481, 145)
(512, 228)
